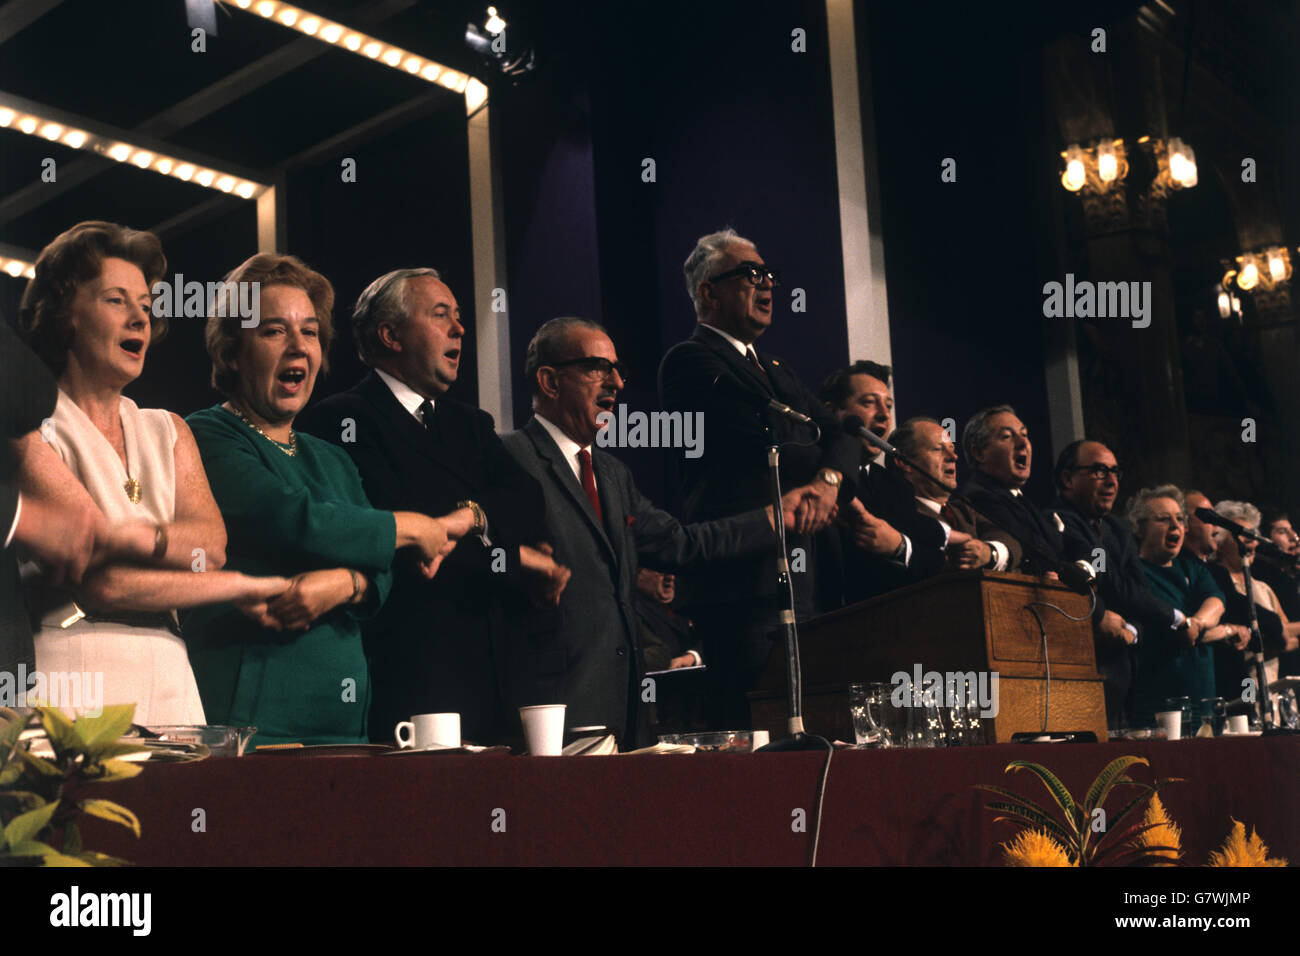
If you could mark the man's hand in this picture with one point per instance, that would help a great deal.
(686, 660)
(1113, 626)
(1193, 630)
(62, 540)
(872, 534)
(549, 578)
(816, 508)
(969, 554)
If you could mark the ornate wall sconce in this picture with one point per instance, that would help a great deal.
(1095, 169)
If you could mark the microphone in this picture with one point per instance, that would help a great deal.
(761, 403)
(1078, 577)
(855, 426)
(1213, 517)
(782, 409)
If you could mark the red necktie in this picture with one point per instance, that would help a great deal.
(589, 482)
(753, 360)
(947, 513)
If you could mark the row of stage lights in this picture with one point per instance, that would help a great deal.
(312, 25)
(31, 123)
(34, 125)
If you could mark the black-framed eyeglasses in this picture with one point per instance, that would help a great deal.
(755, 272)
(1100, 471)
(594, 365)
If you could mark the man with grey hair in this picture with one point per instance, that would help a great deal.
(439, 645)
(718, 371)
(997, 447)
(604, 529)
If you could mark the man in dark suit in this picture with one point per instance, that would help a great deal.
(603, 528)
(884, 542)
(717, 371)
(997, 447)
(925, 442)
(60, 536)
(1087, 481)
(438, 645)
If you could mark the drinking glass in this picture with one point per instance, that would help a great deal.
(864, 708)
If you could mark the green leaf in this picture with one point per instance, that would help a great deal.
(113, 770)
(10, 774)
(1022, 816)
(1014, 798)
(1113, 822)
(113, 812)
(117, 749)
(1054, 787)
(41, 765)
(1123, 839)
(49, 857)
(94, 858)
(32, 848)
(1110, 775)
(25, 826)
(24, 798)
(10, 731)
(107, 728)
(62, 734)
(72, 839)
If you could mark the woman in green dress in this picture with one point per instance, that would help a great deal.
(293, 506)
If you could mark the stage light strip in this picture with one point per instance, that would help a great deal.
(44, 122)
(17, 268)
(362, 44)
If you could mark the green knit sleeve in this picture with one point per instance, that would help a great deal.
(310, 511)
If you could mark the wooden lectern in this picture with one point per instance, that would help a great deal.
(957, 622)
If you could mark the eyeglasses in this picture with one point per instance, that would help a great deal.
(594, 366)
(755, 272)
(1100, 471)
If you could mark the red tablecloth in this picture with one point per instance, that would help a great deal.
(907, 807)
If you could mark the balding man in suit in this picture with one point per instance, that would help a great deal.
(602, 528)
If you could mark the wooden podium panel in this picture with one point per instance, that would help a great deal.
(959, 621)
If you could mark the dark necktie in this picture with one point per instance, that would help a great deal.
(752, 357)
(589, 482)
(426, 416)
(948, 514)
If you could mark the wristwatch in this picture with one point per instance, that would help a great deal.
(480, 519)
(831, 478)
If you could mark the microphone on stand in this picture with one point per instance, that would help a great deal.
(854, 425)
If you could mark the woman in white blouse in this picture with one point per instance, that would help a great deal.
(87, 313)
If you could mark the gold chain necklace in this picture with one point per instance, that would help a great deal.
(291, 451)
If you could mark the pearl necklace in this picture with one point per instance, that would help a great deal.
(291, 451)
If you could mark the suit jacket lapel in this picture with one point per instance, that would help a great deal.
(564, 476)
(409, 431)
(734, 359)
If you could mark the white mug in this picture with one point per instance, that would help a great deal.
(429, 730)
(1239, 724)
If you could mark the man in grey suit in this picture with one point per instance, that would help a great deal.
(603, 529)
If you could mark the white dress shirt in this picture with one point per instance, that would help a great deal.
(407, 397)
(1000, 550)
(568, 448)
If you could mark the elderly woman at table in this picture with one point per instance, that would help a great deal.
(1177, 662)
(87, 313)
(293, 505)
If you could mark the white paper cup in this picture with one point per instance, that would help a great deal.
(428, 730)
(1171, 722)
(760, 738)
(1239, 724)
(543, 729)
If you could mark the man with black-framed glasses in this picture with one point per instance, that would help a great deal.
(719, 372)
(1087, 482)
(604, 529)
